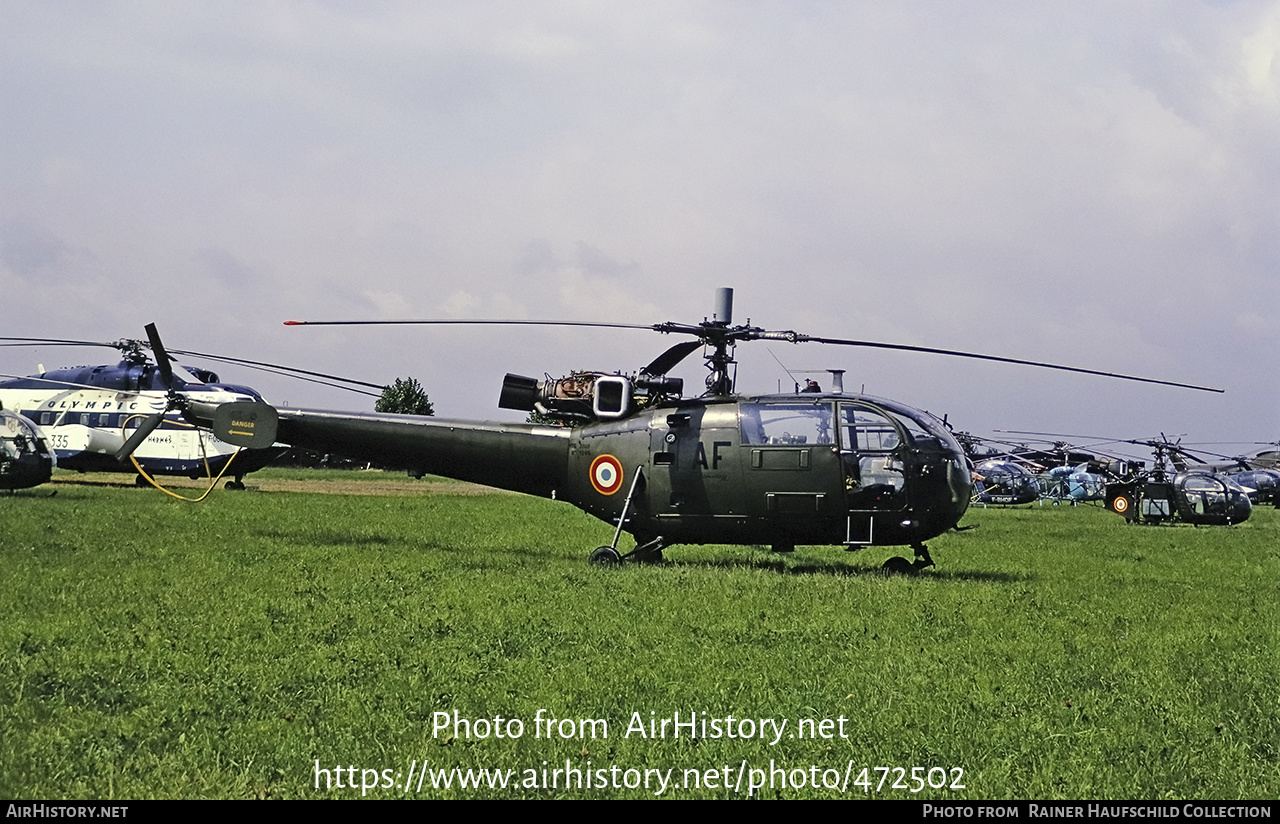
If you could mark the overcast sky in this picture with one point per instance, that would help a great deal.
(1093, 183)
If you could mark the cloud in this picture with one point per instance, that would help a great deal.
(990, 176)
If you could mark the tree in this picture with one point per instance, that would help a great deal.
(404, 397)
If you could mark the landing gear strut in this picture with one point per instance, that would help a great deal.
(649, 552)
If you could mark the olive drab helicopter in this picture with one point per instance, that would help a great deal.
(827, 468)
(1174, 491)
(92, 417)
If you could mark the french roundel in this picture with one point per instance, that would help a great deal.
(1121, 504)
(606, 474)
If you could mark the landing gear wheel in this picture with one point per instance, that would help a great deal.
(605, 556)
(897, 565)
(901, 566)
(140, 481)
(234, 485)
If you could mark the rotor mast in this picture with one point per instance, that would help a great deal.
(720, 382)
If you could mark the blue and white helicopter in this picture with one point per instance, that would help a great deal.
(1023, 474)
(93, 418)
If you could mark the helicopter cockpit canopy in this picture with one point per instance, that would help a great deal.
(869, 425)
(1205, 494)
(19, 436)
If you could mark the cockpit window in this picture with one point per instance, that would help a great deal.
(786, 424)
(866, 430)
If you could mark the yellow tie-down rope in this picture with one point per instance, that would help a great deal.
(203, 455)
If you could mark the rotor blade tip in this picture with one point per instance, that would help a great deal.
(294, 322)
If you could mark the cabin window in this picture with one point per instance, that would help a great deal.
(786, 424)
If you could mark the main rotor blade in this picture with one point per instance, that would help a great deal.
(470, 322)
(667, 361)
(161, 356)
(271, 367)
(140, 434)
(53, 342)
(975, 356)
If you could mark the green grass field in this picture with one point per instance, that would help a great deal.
(151, 648)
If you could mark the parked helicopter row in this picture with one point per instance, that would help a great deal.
(816, 468)
(1180, 487)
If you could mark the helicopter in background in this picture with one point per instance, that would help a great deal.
(1067, 473)
(1019, 475)
(1004, 482)
(1257, 474)
(1175, 492)
(1178, 488)
(87, 414)
(999, 478)
(25, 457)
(1073, 484)
(817, 468)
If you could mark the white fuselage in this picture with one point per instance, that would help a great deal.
(85, 425)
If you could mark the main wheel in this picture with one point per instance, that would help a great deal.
(605, 556)
(897, 565)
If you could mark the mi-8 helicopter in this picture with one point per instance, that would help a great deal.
(86, 413)
(25, 457)
(827, 468)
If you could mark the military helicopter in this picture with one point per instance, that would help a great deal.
(1174, 492)
(89, 412)
(999, 478)
(827, 468)
(1258, 480)
(1073, 484)
(1004, 482)
(25, 457)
